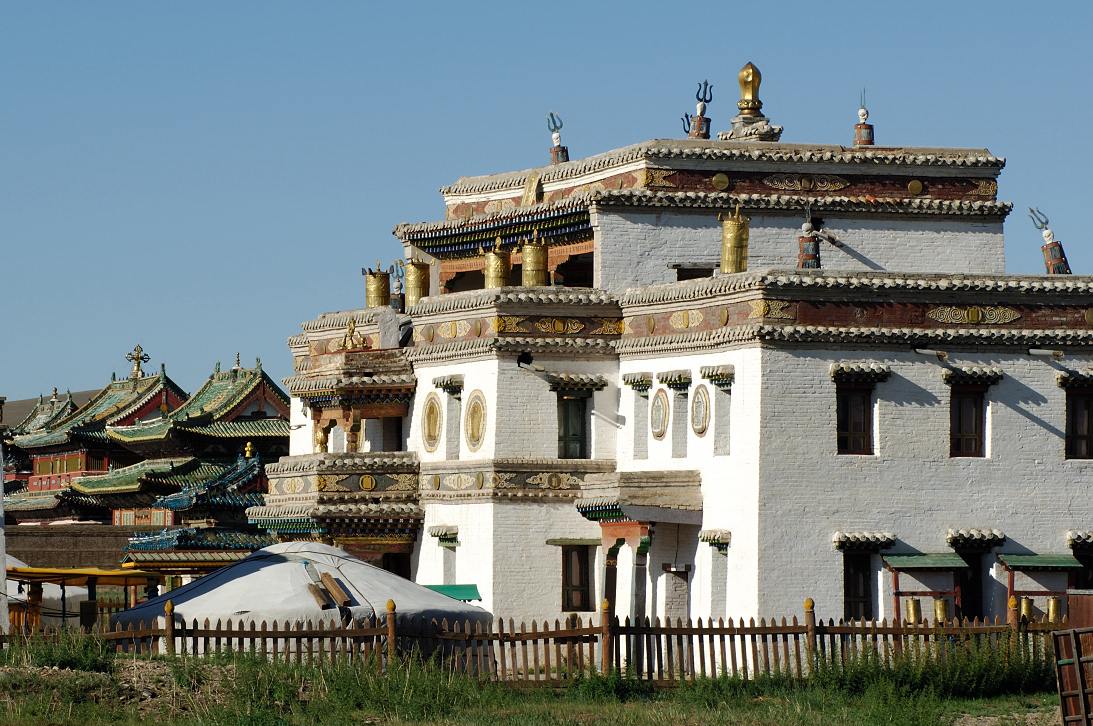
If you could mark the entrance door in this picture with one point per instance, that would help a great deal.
(396, 562)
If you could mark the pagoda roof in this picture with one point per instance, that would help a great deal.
(205, 412)
(198, 538)
(113, 403)
(221, 491)
(172, 472)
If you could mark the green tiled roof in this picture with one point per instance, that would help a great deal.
(221, 393)
(110, 403)
(1041, 562)
(938, 561)
(180, 472)
(27, 501)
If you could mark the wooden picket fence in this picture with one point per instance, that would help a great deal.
(661, 652)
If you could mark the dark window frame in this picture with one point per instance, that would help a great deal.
(576, 586)
(962, 442)
(1079, 445)
(848, 441)
(574, 444)
(859, 585)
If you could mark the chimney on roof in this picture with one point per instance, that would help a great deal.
(1054, 258)
(558, 153)
(863, 132)
(698, 126)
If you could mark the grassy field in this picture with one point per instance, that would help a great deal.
(78, 681)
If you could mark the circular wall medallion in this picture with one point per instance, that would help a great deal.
(914, 186)
(658, 415)
(474, 422)
(431, 422)
(1089, 316)
(720, 182)
(724, 316)
(700, 410)
(368, 482)
(429, 333)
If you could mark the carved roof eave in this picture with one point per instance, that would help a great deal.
(576, 381)
(494, 298)
(749, 153)
(629, 348)
(393, 461)
(964, 537)
(484, 348)
(871, 541)
(1075, 379)
(302, 386)
(840, 282)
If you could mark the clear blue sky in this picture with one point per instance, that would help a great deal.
(201, 177)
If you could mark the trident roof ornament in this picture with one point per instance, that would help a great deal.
(554, 125)
(1038, 218)
(704, 95)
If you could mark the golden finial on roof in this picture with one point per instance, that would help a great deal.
(137, 357)
(248, 453)
(236, 360)
(750, 78)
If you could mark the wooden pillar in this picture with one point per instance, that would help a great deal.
(606, 645)
(390, 633)
(895, 597)
(810, 625)
(169, 626)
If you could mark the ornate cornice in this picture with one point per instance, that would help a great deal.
(575, 381)
(860, 371)
(491, 346)
(493, 297)
(966, 537)
(677, 380)
(870, 541)
(344, 463)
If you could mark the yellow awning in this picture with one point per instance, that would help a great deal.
(80, 576)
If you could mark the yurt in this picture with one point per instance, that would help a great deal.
(288, 582)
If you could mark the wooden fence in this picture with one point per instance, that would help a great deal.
(662, 652)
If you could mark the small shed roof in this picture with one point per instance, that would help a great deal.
(1040, 562)
(928, 561)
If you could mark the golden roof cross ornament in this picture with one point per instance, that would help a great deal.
(137, 357)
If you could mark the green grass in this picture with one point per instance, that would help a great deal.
(862, 691)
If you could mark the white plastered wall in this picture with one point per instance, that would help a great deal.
(909, 486)
(634, 248)
(301, 435)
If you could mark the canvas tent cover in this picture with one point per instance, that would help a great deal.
(51, 598)
(272, 585)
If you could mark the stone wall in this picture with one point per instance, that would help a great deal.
(69, 545)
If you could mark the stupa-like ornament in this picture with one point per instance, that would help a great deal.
(750, 124)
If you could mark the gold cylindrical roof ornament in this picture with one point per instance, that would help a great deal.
(533, 266)
(498, 266)
(1055, 610)
(941, 609)
(750, 78)
(377, 288)
(734, 242)
(914, 610)
(417, 281)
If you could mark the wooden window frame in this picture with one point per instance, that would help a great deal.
(959, 438)
(1075, 443)
(581, 438)
(583, 586)
(845, 440)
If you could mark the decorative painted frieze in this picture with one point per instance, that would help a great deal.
(806, 182)
(769, 309)
(559, 326)
(682, 319)
(974, 315)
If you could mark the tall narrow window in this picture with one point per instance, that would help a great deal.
(858, 586)
(572, 426)
(1079, 423)
(967, 421)
(576, 585)
(854, 428)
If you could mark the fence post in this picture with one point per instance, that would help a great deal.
(810, 625)
(390, 632)
(1013, 618)
(605, 637)
(169, 626)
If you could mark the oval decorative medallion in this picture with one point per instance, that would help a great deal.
(436, 481)
(431, 422)
(658, 415)
(724, 316)
(477, 328)
(720, 181)
(650, 324)
(1089, 316)
(474, 423)
(700, 411)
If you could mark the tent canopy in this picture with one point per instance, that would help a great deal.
(285, 582)
(81, 575)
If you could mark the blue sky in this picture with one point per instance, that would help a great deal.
(201, 177)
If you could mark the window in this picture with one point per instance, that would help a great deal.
(572, 426)
(966, 421)
(854, 418)
(1079, 424)
(858, 586)
(576, 595)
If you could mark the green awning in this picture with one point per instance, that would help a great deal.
(1040, 562)
(458, 592)
(939, 561)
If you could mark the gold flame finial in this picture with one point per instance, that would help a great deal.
(750, 78)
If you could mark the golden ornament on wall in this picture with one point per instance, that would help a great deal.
(700, 410)
(330, 483)
(508, 324)
(685, 319)
(533, 190)
(658, 177)
(608, 326)
(973, 315)
(658, 415)
(720, 182)
(560, 326)
(554, 480)
(368, 482)
(474, 423)
(650, 324)
(453, 329)
(431, 422)
(769, 309)
(806, 182)
(984, 188)
(1089, 316)
(724, 316)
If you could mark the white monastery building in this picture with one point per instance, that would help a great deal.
(708, 377)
